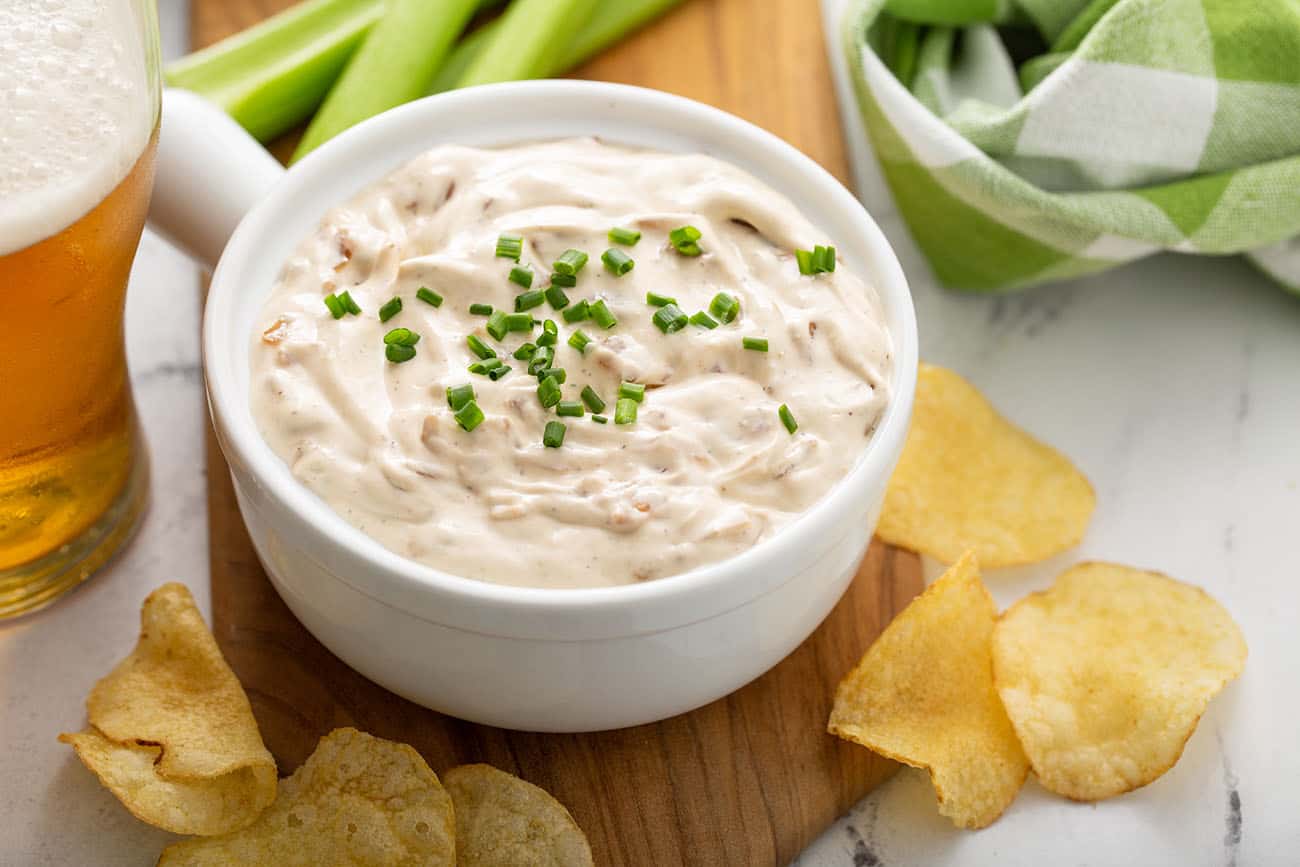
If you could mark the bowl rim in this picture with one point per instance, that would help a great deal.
(242, 442)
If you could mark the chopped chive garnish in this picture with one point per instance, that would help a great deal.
(337, 308)
(805, 260)
(459, 395)
(525, 350)
(724, 307)
(469, 416)
(632, 391)
(486, 365)
(397, 352)
(824, 259)
(758, 344)
(479, 348)
(548, 392)
(550, 333)
(559, 373)
(517, 322)
(553, 435)
(391, 308)
(625, 411)
(556, 298)
(521, 276)
(579, 340)
(529, 300)
(654, 299)
(626, 237)
(576, 312)
(401, 337)
(787, 418)
(496, 324)
(617, 262)
(670, 318)
(567, 281)
(428, 296)
(600, 419)
(570, 262)
(497, 372)
(704, 320)
(480, 309)
(349, 304)
(600, 313)
(570, 407)
(542, 358)
(592, 400)
(684, 240)
(510, 246)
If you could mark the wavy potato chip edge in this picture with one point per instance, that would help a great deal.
(503, 820)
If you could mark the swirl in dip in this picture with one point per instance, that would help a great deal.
(706, 470)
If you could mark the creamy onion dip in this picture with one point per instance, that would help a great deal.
(707, 469)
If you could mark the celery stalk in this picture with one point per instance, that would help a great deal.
(394, 65)
(271, 77)
(529, 41)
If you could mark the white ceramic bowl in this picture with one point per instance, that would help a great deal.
(524, 658)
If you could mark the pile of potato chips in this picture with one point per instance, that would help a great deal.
(1095, 684)
(173, 737)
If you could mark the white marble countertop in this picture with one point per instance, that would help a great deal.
(1173, 383)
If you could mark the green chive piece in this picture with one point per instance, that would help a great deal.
(577, 312)
(724, 307)
(548, 392)
(428, 296)
(480, 309)
(654, 299)
(684, 240)
(401, 337)
(593, 401)
(600, 419)
(529, 300)
(550, 333)
(510, 246)
(626, 237)
(349, 304)
(570, 263)
(704, 320)
(805, 260)
(553, 435)
(570, 407)
(337, 308)
(787, 418)
(486, 366)
(521, 276)
(478, 347)
(579, 340)
(617, 262)
(398, 353)
(625, 411)
(391, 308)
(567, 281)
(542, 358)
(632, 391)
(497, 372)
(559, 373)
(601, 314)
(758, 344)
(459, 395)
(517, 322)
(670, 319)
(824, 259)
(556, 298)
(496, 325)
(525, 350)
(469, 416)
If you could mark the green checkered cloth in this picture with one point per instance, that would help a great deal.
(1035, 140)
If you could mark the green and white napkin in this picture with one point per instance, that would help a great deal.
(1034, 140)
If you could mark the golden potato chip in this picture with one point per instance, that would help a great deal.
(171, 731)
(1106, 674)
(357, 800)
(503, 820)
(970, 480)
(923, 695)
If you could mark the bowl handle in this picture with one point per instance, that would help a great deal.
(209, 174)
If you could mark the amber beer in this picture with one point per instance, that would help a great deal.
(72, 466)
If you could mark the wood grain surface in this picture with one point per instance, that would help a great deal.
(749, 779)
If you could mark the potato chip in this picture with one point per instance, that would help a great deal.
(923, 695)
(171, 732)
(969, 479)
(503, 820)
(1106, 674)
(357, 800)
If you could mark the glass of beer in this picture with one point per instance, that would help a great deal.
(79, 105)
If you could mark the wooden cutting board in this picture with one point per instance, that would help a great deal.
(750, 779)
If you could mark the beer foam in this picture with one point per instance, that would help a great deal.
(77, 110)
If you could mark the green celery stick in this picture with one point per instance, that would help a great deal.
(271, 76)
(394, 65)
(529, 41)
